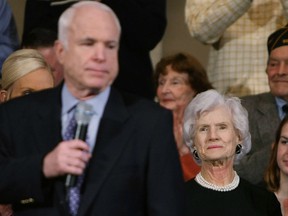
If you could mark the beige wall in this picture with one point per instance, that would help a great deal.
(18, 9)
(176, 37)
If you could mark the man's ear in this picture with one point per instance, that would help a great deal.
(3, 96)
(59, 50)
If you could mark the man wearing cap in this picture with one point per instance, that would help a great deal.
(266, 110)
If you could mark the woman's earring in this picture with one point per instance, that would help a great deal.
(238, 149)
(195, 154)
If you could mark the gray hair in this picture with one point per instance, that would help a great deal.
(20, 63)
(207, 101)
(68, 15)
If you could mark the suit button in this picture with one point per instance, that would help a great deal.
(27, 201)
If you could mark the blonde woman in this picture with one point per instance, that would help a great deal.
(23, 72)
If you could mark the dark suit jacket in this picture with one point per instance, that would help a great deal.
(143, 24)
(263, 123)
(134, 169)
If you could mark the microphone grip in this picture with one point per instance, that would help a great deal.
(81, 132)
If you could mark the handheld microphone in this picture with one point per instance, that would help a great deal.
(83, 115)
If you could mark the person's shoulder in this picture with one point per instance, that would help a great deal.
(261, 197)
(190, 184)
(251, 101)
(256, 97)
(137, 103)
(257, 190)
(29, 101)
(143, 113)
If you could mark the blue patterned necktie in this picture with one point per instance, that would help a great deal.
(73, 192)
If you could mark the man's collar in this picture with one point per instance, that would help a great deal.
(98, 102)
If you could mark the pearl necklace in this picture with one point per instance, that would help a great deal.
(234, 184)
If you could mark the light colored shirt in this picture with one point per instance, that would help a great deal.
(280, 103)
(237, 31)
(68, 108)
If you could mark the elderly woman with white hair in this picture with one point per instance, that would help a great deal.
(217, 133)
(23, 72)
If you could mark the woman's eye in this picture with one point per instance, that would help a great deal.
(161, 82)
(284, 141)
(175, 82)
(203, 129)
(222, 127)
(27, 92)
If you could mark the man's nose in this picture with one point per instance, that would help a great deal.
(99, 53)
(283, 69)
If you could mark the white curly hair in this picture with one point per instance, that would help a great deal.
(207, 101)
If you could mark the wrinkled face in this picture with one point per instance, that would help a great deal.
(51, 58)
(277, 71)
(37, 80)
(282, 152)
(215, 136)
(90, 58)
(174, 91)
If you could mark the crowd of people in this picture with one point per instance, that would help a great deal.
(87, 127)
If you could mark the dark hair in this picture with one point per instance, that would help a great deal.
(184, 63)
(272, 174)
(39, 37)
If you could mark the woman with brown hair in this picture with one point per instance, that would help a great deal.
(178, 79)
(276, 176)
